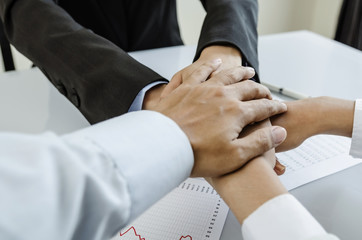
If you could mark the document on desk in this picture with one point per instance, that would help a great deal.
(317, 157)
(191, 211)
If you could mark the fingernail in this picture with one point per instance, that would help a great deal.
(217, 61)
(279, 169)
(285, 105)
(279, 134)
(250, 70)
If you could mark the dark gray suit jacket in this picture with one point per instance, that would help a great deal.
(81, 45)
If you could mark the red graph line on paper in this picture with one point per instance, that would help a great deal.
(188, 236)
(140, 238)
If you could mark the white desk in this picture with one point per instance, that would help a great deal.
(29, 103)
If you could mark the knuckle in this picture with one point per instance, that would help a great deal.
(203, 71)
(264, 140)
(268, 106)
(250, 83)
(234, 74)
(266, 90)
(220, 91)
(234, 106)
(240, 154)
(231, 75)
(246, 112)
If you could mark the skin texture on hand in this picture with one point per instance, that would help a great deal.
(212, 113)
(153, 96)
(312, 116)
(250, 187)
(230, 57)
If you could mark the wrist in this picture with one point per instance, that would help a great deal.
(337, 115)
(225, 53)
(152, 97)
(247, 189)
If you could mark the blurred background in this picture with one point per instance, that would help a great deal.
(275, 16)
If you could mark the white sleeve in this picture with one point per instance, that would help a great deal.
(356, 145)
(283, 218)
(90, 183)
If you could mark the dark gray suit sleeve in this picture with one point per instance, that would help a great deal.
(94, 74)
(231, 22)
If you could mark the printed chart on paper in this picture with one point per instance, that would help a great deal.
(193, 211)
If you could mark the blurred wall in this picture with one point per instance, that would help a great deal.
(275, 16)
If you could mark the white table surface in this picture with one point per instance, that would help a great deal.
(29, 103)
(310, 64)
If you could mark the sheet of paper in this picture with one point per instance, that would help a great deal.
(317, 157)
(192, 211)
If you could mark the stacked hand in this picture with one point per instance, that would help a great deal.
(229, 56)
(312, 116)
(214, 110)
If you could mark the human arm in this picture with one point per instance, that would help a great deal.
(97, 76)
(262, 205)
(220, 92)
(231, 23)
(88, 184)
(321, 115)
(229, 33)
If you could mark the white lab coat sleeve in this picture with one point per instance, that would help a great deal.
(89, 184)
(356, 146)
(283, 218)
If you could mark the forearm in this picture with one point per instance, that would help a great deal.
(312, 116)
(335, 116)
(90, 183)
(249, 188)
(227, 54)
(235, 29)
(97, 76)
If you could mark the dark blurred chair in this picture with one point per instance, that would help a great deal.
(349, 30)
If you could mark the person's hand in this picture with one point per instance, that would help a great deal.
(230, 57)
(153, 96)
(300, 121)
(246, 189)
(312, 116)
(279, 169)
(213, 113)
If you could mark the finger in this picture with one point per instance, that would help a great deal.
(232, 75)
(259, 110)
(172, 85)
(202, 73)
(249, 90)
(257, 143)
(279, 168)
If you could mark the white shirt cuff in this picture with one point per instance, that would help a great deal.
(138, 101)
(356, 145)
(281, 218)
(150, 151)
